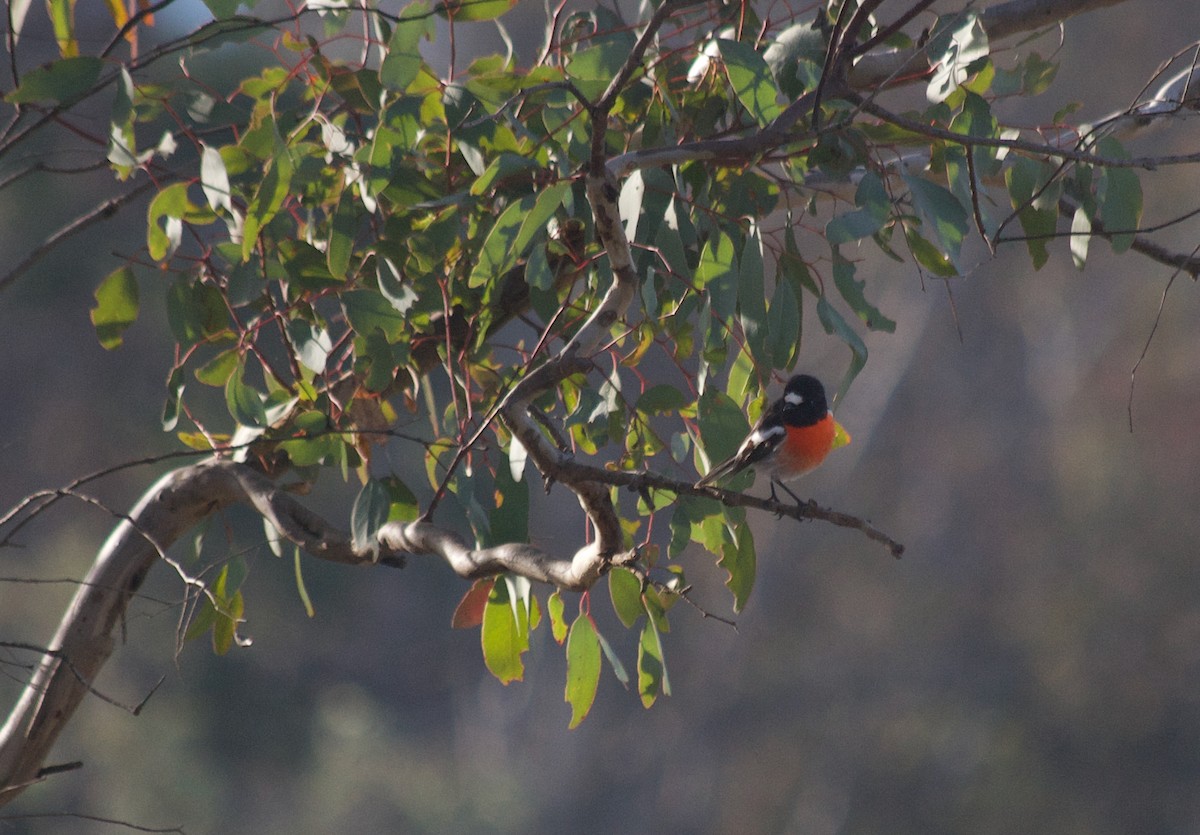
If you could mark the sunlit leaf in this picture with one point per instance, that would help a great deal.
(503, 637)
(718, 274)
(301, 589)
(558, 623)
(583, 667)
(116, 307)
(954, 50)
(467, 10)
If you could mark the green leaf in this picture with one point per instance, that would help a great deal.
(514, 231)
(852, 292)
(752, 80)
(244, 402)
(467, 10)
(369, 311)
(592, 69)
(718, 273)
(834, 324)
(739, 559)
(874, 208)
(1120, 197)
(1025, 179)
(652, 671)
(752, 296)
(722, 425)
(558, 623)
(509, 515)
(783, 324)
(661, 399)
(942, 211)
(226, 623)
(175, 384)
(583, 667)
(368, 515)
(272, 191)
(222, 9)
(301, 589)
(502, 636)
(613, 660)
(928, 255)
(402, 64)
(342, 231)
(625, 589)
(173, 204)
(403, 505)
(116, 307)
(218, 370)
(62, 81)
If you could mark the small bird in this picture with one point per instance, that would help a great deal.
(792, 437)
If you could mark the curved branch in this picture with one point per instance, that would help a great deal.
(176, 503)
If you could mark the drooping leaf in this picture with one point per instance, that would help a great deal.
(244, 402)
(853, 292)
(614, 660)
(625, 589)
(503, 637)
(214, 179)
(834, 324)
(739, 559)
(116, 307)
(583, 667)
(718, 274)
(301, 589)
(558, 623)
(944, 215)
(1121, 198)
(368, 515)
(783, 324)
(1025, 179)
(469, 612)
(652, 671)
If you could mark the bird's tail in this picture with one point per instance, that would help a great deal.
(728, 467)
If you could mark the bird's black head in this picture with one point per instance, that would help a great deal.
(804, 400)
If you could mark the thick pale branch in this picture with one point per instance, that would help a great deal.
(177, 502)
(578, 573)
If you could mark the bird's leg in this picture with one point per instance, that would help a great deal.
(784, 488)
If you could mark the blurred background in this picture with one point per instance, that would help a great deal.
(1032, 664)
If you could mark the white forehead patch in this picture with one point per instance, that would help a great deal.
(793, 398)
